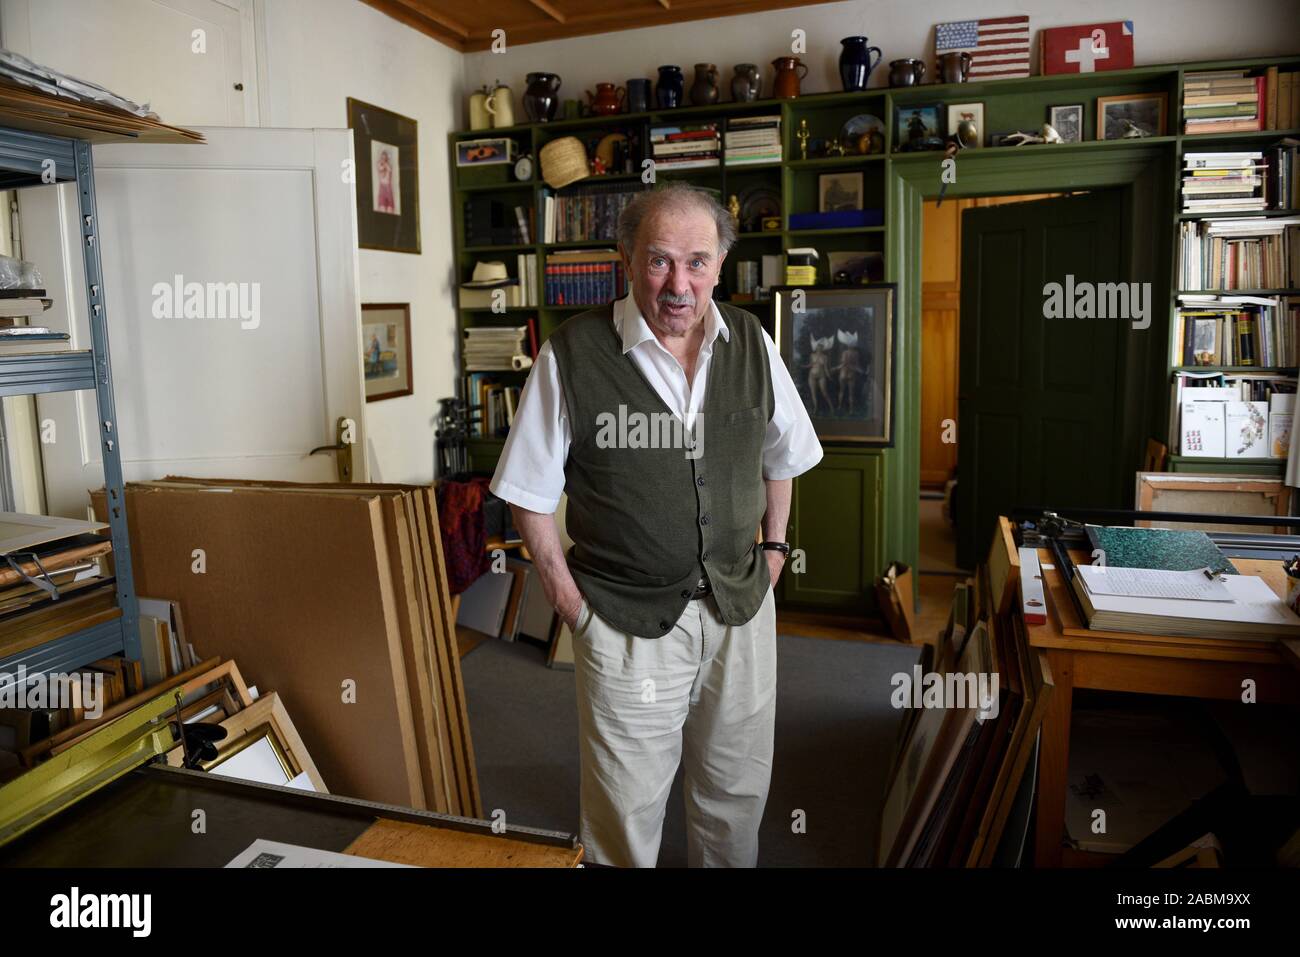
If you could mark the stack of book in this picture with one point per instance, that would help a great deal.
(526, 266)
(1254, 253)
(492, 404)
(585, 213)
(688, 146)
(1160, 590)
(1223, 101)
(1244, 416)
(753, 139)
(1281, 176)
(801, 266)
(1223, 182)
(1238, 331)
(17, 333)
(584, 277)
(490, 222)
(492, 348)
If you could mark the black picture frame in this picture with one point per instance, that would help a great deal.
(841, 409)
(388, 219)
(386, 362)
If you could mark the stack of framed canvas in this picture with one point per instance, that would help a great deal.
(336, 597)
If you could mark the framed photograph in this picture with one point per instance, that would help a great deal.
(385, 148)
(1132, 115)
(918, 127)
(1205, 342)
(959, 113)
(854, 268)
(386, 349)
(485, 152)
(838, 344)
(839, 191)
(1068, 121)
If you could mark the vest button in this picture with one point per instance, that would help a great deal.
(700, 480)
(704, 556)
(665, 625)
(704, 520)
(686, 593)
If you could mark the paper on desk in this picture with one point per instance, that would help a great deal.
(263, 853)
(1153, 583)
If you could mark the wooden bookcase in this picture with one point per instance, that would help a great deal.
(877, 489)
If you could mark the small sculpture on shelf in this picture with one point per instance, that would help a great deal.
(1047, 134)
(802, 136)
(733, 207)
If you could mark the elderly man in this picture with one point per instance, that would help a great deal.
(667, 587)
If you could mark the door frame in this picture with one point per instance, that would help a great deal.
(1144, 172)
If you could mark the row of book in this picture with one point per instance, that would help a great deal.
(1237, 181)
(1233, 101)
(686, 146)
(584, 277)
(496, 348)
(493, 404)
(490, 222)
(585, 213)
(753, 139)
(1255, 253)
(1238, 331)
(1244, 415)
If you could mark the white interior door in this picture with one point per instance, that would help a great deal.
(193, 61)
(255, 362)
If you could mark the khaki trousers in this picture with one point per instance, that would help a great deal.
(705, 692)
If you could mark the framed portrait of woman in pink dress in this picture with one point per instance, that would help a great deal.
(386, 174)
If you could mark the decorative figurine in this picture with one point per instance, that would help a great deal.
(802, 136)
(733, 207)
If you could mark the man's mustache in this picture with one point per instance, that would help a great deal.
(685, 300)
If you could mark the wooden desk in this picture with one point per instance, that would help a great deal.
(1166, 665)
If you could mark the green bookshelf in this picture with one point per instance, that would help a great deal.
(884, 483)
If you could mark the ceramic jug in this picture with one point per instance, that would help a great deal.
(856, 63)
(906, 72)
(478, 114)
(500, 105)
(607, 99)
(704, 91)
(541, 98)
(786, 84)
(746, 84)
(638, 95)
(670, 88)
(954, 67)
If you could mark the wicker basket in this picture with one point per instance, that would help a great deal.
(564, 161)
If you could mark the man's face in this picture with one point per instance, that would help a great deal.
(674, 267)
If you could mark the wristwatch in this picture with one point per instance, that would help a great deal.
(782, 547)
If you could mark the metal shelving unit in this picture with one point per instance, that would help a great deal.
(30, 160)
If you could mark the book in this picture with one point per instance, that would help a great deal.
(1165, 549)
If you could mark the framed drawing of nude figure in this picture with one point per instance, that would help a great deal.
(839, 347)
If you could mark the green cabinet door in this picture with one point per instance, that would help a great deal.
(835, 521)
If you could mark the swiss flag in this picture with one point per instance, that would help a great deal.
(1087, 48)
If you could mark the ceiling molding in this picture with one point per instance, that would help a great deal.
(468, 29)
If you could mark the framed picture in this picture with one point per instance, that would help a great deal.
(485, 152)
(918, 127)
(838, 344)
(959, 113)
(839, 191)
(1132, 115)
(386, 349)
(385, 148)
(1068, 121)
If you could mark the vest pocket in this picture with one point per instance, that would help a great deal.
(745, 415)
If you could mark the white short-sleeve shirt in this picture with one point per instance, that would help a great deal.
(530, 472)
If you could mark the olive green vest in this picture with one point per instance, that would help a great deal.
(649, 515)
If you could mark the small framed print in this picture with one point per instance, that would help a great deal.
(836, 191)
(1132, 116)
(1068, 121)
(959, 113)
(918, 127)
(386, 349)
(385, 148)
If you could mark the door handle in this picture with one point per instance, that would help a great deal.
(342, 450)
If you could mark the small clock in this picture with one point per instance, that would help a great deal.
(524, 168)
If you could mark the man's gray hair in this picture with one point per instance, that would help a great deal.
(677, 195)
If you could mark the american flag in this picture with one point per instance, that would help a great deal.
(998, 46)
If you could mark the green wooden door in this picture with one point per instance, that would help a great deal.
(834, 511)
(1038, 397)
